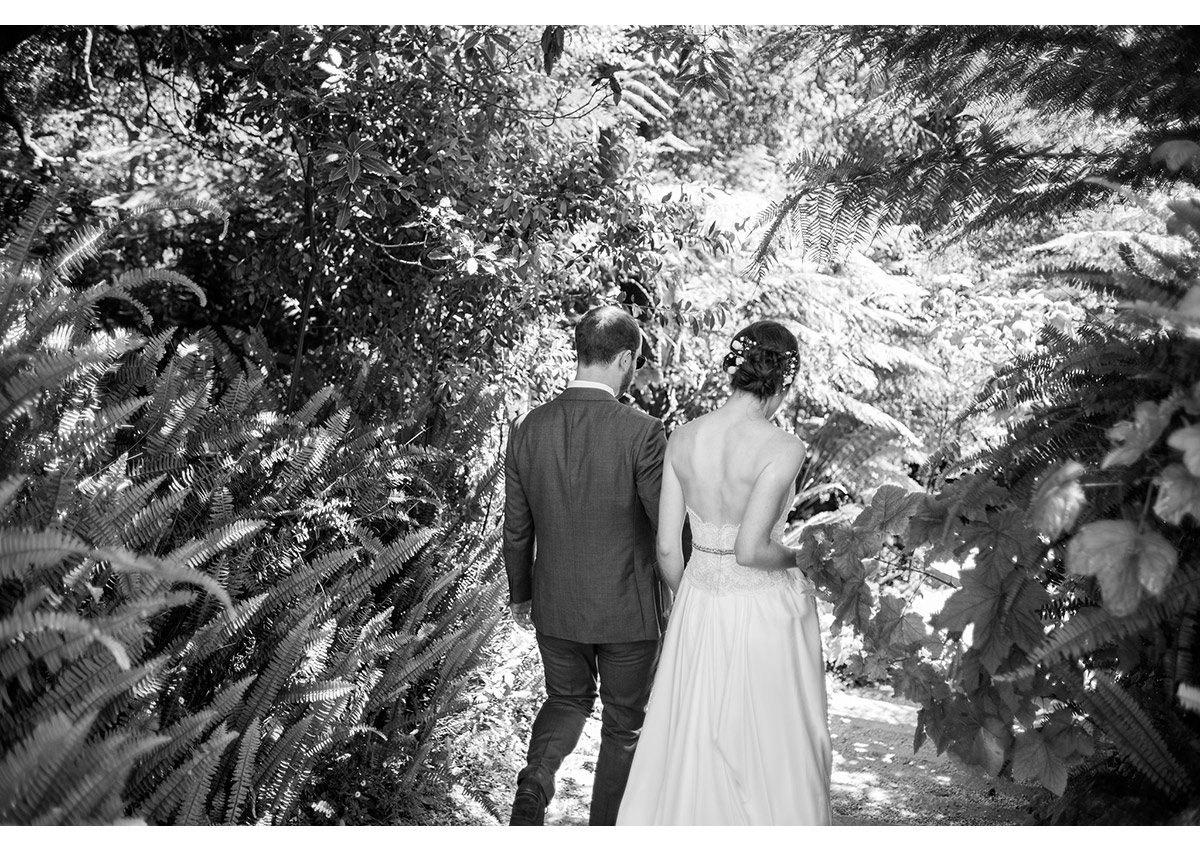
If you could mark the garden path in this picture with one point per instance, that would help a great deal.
(877, 779)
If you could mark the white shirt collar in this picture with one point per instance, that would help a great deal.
(591, 385)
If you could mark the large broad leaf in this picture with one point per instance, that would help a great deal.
(853, 607)
(1058, 500)
(1187, 441)
(1176, 154)
(1178, 494)
(970, 497)
(1047, 753)
(894, 631)
(1035, 759)
(1126, 563)
(1002, 601)
(970, 728)
(1003, 537)
(1133, 437)
(919, 681)
(890, 510)
(927, 523)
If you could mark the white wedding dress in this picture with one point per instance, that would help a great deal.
(736, 731)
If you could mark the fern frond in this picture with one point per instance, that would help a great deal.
(123, 561)
(194, 553)
(282, 665)
(31, 768)
(305, 416)
(193, 203)
(243, 772)
(85, 245)
(19, 624)
(184, 782)
(180, 738)
(140, 277)
(20, 246)
(53, 370)
(1128, 725)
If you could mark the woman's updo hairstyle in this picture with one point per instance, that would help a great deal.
(763, 358)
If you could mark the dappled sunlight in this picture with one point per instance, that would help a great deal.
(848, 705)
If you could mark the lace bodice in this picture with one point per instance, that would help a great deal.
(714, 567)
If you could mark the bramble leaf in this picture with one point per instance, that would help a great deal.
(1058, 500)
(1035, 759)
(1178, 494)
(1176, 153)
(1133, 437)
(1187, 441)
(1123, 560)
(890, 510)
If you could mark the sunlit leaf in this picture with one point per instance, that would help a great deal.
(1133, 437)
(1178, 494)
(1123, 560)
(1187, 441)
(1058, 500)
(1176, 154)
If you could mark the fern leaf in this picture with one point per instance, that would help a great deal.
(123, 561)
(243, 771)
(20, 246)
(1092, 629)
(51, 371)
(184, 782)
(95, 780)
(140, 277)
(283, 664)
(9, 488)
(30, 770)
(1126, 723)
(194, 553)
(18, 625)
(180, 738)
(20, 550)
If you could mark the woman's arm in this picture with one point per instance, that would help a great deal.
(671, 513)
(771, 492)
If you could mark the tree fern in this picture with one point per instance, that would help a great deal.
(976, 166)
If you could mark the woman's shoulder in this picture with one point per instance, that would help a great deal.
(784, 443)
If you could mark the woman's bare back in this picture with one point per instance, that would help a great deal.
(718, 459)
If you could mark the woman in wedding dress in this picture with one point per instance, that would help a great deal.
(736, 730)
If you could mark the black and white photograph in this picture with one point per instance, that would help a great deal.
(485, 425)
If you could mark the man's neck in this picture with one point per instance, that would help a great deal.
(597, 376)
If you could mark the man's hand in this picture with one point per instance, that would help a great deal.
(521, 614)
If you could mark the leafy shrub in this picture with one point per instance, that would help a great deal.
(203, 598)
(1071, 634)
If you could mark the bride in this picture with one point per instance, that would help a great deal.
(736, 730)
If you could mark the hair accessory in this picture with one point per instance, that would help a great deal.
(740, 347)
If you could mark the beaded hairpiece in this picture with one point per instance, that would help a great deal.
(739, 347)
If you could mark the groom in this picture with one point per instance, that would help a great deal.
(582, 475)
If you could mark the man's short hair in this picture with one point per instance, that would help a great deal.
(603, 333)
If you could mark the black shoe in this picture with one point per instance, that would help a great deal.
(529, 806)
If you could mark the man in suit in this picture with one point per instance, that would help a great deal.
(582, 476)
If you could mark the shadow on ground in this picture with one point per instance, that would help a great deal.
(877, 779)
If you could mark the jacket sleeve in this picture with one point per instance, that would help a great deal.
(648, 469)
(518, 526)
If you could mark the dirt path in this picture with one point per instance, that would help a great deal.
(877, 779)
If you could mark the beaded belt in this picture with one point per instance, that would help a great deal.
(704, 549)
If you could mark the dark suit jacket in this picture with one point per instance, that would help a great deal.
(582, 477)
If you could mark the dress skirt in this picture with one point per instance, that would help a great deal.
(736, 731)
